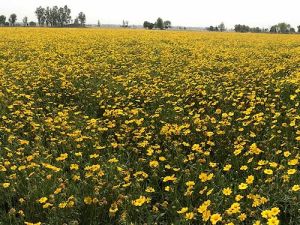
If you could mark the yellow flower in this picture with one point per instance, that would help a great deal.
(292, 171)
(190, 183)
(29, 223)
(62, 157)
(47, 205)
(153, 164)
(242, 217)
(74, 167)
(273, 221)
(267, 214)
(150, 189)
(169, 178)
(183, 210)
(234, 208)
(296, 187)
(167, 188)
(250, 179)
(227, 191)
(43, 200)
(88, 200)
(140, 201)
(227, 167)
(113, 209)
(62, 205)
(243, 186)
(244, 167)
(286, 154)
(205, 177)
(215, 218)
(189, 216)
(5, 185)
(206, 215)
(268, 171)
(275, 211)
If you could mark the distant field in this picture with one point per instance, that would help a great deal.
(101, 126)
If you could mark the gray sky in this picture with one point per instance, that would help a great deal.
(198, 13)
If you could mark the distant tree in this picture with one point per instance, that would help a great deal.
(212, 28)
(76, 21)
(124, 23)
(292, 30)
(159, 23)
(99, 24)
(148, 25)
(256, 30)
(81, 18)
(222, 27)
(40, 13)
(67, 15)
(274, 29)
(167, 24)
(32, 24)
(54, 16)
(6, 24)
(2, 20)
(48, 16)
(284, 27)
(13, 19)
(241, 28)
(25, 21)
(298, 29)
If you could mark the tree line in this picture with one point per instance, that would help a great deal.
(61, 17)
(159, 24)
(58, 17)
(50, 16)
(11, 20)
(282, 28)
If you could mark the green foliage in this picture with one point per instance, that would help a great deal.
(13, 19)
(159, 23)
(2, 20)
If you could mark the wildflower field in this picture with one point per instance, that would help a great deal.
(101, 126)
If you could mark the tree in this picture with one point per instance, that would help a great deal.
(124, 23)
(13, 19)
(67, 15)
(167, 24)
(76, 21)
(81, 18)
(298, 29)
(40, 13)
(241, 28)
(222, 27)
(159, 23)
(274, 29)
(256, 30)
(25, 21)
(212, 28)
(54, 16)
(48, 16)
(284, 27)
(99, 24)
(292, 30)
(32, 24)
(148, 25)
(2, 20)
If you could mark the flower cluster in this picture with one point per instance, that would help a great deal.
(132, 127)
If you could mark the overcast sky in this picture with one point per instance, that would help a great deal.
(199, 13)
